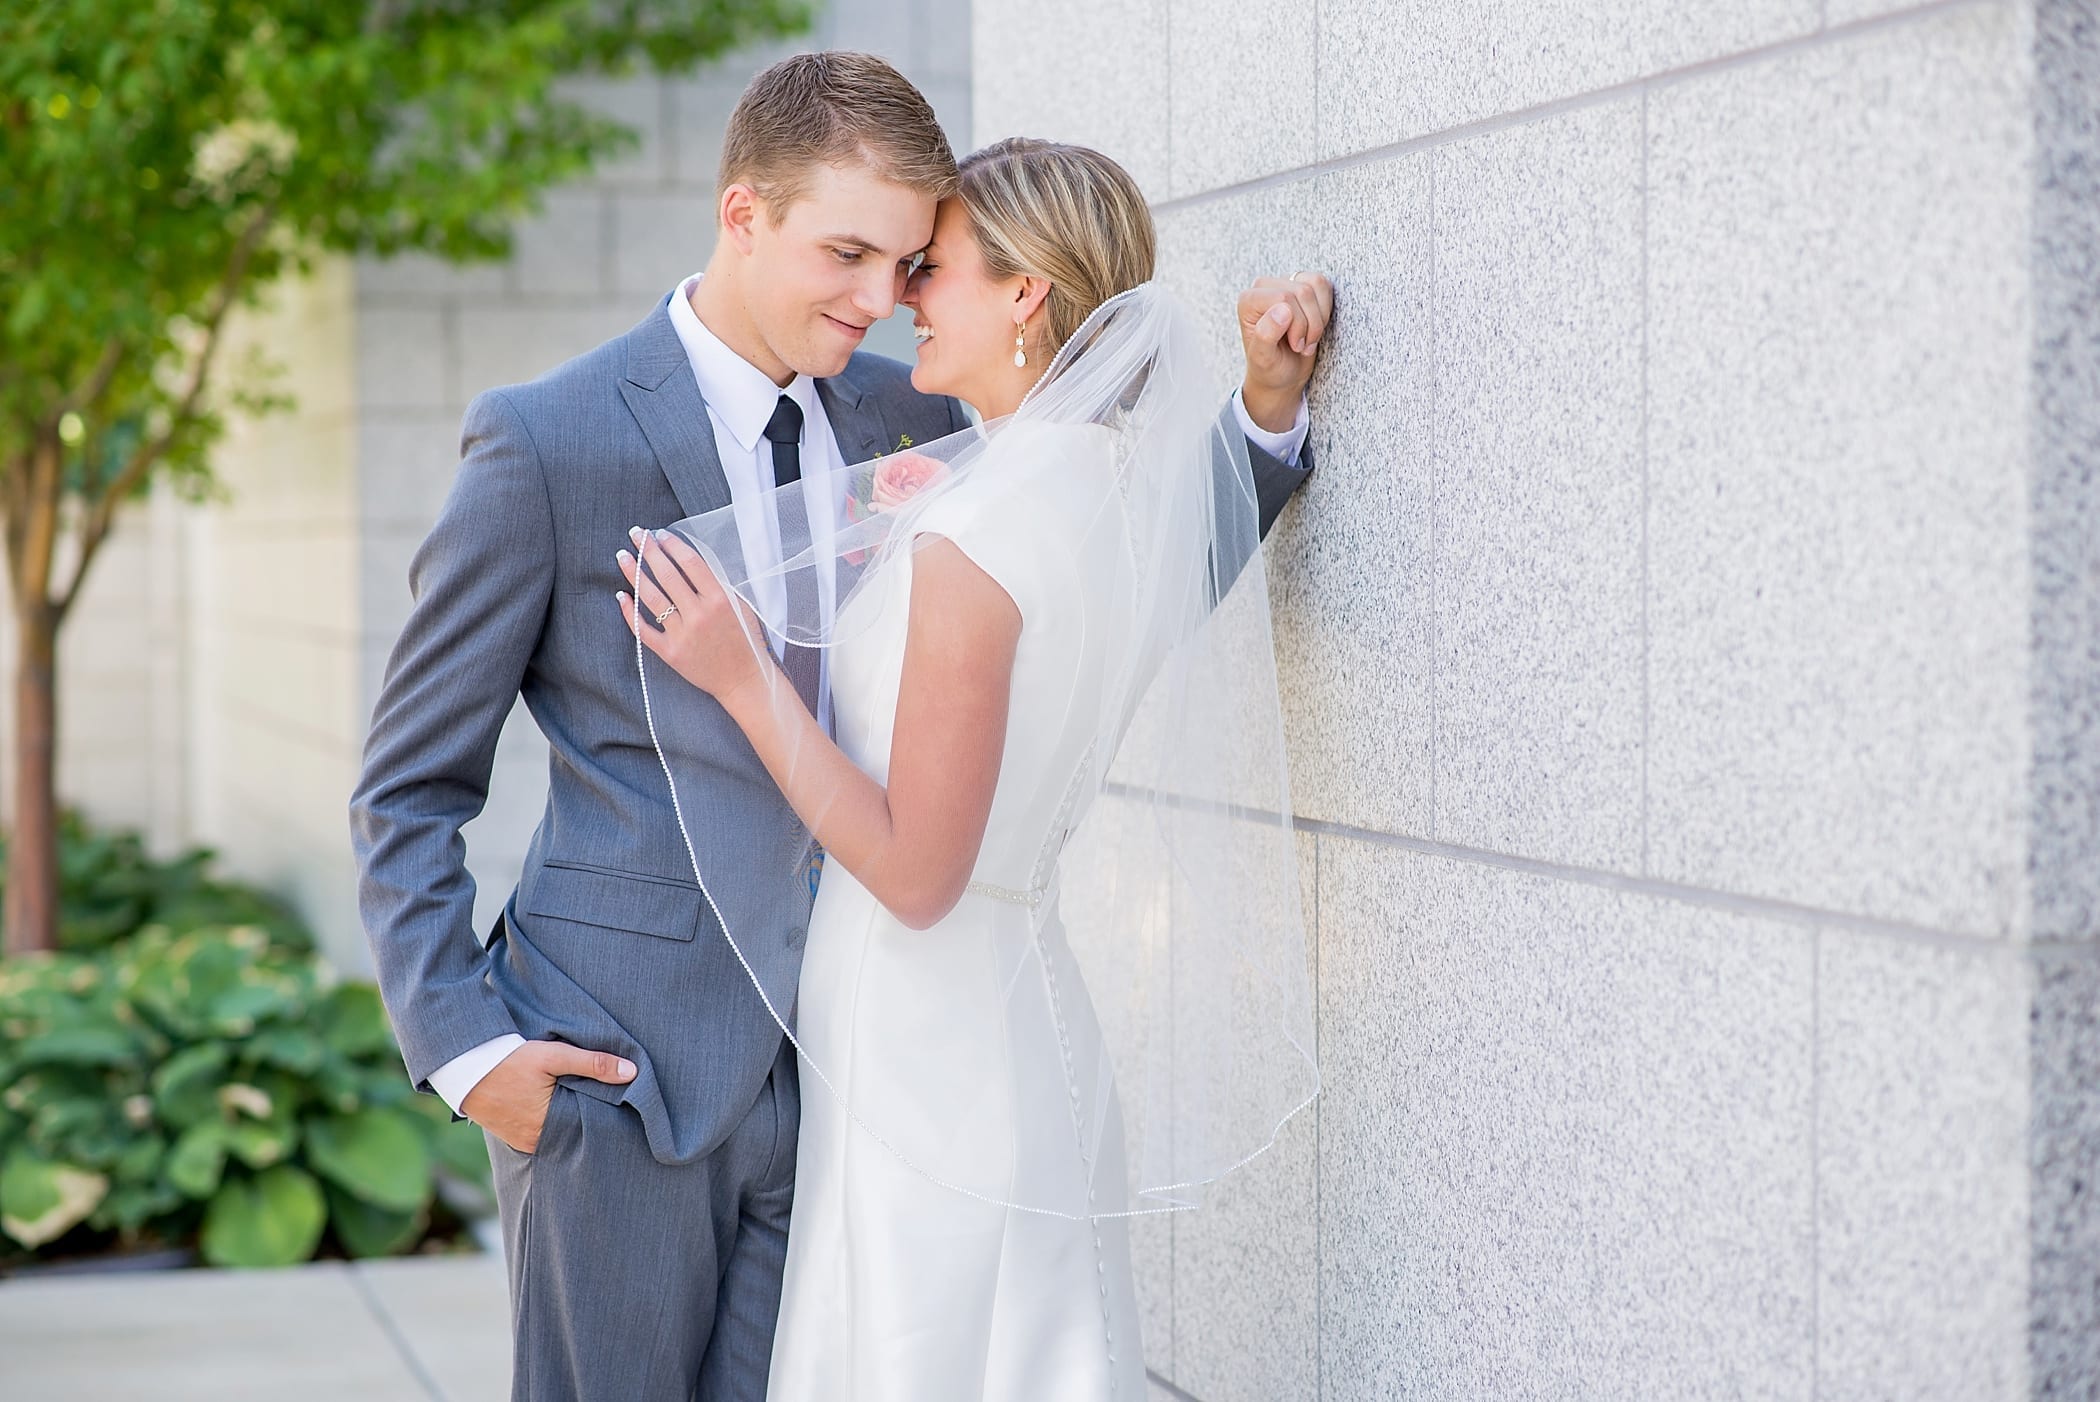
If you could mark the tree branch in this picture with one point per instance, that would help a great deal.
(102, 512)
(96, 384)
(33, 543)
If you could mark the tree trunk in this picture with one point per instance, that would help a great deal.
(32, 849)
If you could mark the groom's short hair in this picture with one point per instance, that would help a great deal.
(832, 108)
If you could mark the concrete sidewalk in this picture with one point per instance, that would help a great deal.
(412, 1329)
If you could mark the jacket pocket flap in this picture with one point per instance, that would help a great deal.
(646, 905)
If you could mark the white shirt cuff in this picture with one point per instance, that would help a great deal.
(457, 1077)
(1284, 446)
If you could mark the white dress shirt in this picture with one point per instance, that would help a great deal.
(1285, 446)
(740, 399)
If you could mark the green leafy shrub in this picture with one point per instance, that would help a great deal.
(205, 1082)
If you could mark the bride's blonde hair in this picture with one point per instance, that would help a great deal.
(1063, 213)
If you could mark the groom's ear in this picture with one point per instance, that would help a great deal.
(738, 212)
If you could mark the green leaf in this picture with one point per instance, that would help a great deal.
(41, 1200)
(131, 1206)
(353, 1021)
(272, 1219)
(187, 1084)
(29, 310)
(293, 1048)
(376, 1155)
(88, 1045)
(198, 1161)
(386, 1085)
(212, 967)
(340, 1084)
(69, 1119)
(260, 1143)
(142, 1160)
(368, 1230)
(236, 1012)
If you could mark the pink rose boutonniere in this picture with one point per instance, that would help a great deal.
(902, 476)
(894, 480)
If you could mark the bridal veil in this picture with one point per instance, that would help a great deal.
(1169, 870)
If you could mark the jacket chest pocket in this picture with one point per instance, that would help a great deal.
(617, 900)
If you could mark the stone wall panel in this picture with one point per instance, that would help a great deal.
(1539, 494)
(1838, 515)
(1565, 1148)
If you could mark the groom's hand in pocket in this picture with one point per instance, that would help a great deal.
(511, 1101)
(1281, 323)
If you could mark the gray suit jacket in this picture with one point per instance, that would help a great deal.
(607, 942)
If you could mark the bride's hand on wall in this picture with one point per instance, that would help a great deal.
(706, 634)
(1281, 323)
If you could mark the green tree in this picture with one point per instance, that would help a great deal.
(166, 161)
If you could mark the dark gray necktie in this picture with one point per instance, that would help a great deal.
(803, 665)
(784, 432)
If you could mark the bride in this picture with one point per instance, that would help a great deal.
(1049, 637)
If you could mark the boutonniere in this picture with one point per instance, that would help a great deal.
(901, 477)
(892, 479)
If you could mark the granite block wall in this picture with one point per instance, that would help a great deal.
(1691, 656)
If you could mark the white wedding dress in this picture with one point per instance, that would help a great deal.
(900, 1289)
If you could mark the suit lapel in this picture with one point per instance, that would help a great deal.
(859, 430)
(660, 392)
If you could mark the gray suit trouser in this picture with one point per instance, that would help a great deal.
(638, 1281)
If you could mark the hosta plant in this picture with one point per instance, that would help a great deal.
(212, 1085)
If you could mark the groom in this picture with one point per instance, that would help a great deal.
(639, 1102)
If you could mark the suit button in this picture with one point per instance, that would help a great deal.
(797, 935)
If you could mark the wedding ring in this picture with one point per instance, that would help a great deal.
(665, 614)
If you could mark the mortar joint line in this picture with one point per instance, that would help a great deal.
(1683, 893)
(1815, 1164)
(1647, 642)
(1319, 1144)
(1598, 97)
(1435, 483)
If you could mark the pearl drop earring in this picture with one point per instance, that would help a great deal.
(1020, 347)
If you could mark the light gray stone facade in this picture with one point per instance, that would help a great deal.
(1691, 655)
